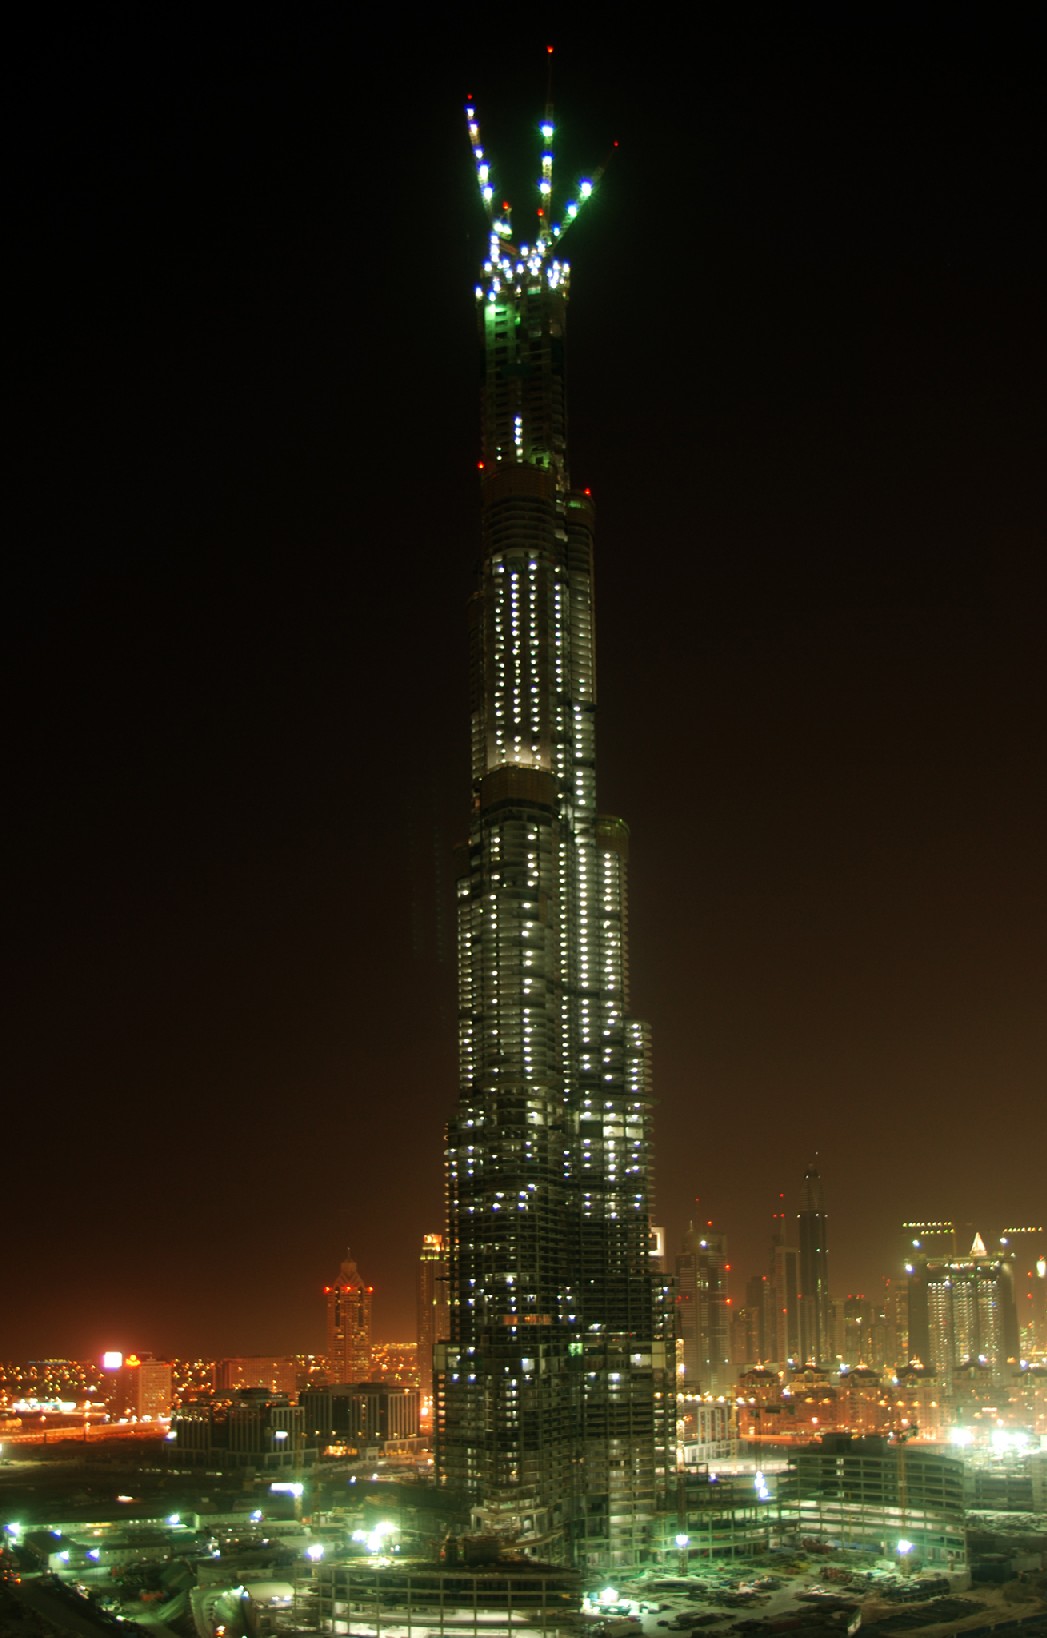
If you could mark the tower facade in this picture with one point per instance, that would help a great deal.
(553, 1398)
(348, 1301)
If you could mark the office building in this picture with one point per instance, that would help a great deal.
(360, 1415)
(553, 1395)
(348, 1301)
(136, 1387)
(278, 1374)
(249, 1428)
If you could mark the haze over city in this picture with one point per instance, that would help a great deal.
(805, 355)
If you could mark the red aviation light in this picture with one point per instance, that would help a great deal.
(588, 492)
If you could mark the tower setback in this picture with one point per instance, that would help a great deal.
(553, 1397)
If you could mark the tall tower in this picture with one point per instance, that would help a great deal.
(703, 1310)
(782, 1326)
(1027, 1244)
(349, 1324)
(812, 1226)
(553, 1398)
(962, 1312)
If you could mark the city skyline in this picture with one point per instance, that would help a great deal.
(818, 634)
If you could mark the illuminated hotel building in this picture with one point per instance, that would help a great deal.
(553, 1397)
(962, 1311)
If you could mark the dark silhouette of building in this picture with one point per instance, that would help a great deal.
(250, 1428)
(360, 1414)
(703, 1311)
(815, 1308)
(278, 1374)
(782, 1323)
(1027, 1244)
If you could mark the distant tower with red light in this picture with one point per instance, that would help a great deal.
(703, 1310)
(349, 1324)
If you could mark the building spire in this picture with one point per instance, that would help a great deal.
(510, 261)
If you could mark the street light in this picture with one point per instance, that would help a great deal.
(683, 1541)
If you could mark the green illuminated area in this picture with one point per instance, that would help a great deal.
(512, 266)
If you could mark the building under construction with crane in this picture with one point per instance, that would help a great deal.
(554, 1393)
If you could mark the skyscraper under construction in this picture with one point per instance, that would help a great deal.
(554, 1393)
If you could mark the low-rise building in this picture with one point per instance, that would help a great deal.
(251, 1428)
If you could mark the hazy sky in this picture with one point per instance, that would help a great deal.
(806, 365)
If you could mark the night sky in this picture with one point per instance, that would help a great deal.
(807, 366)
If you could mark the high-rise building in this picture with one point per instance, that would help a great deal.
(553, 1395)
(134, 1386)
(812, 1229)
(432, 1308)
(783, 1297)
(1027, 1244)
(853, 1324)
(962, 1312)
(348, 1301)
(703, 1311)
